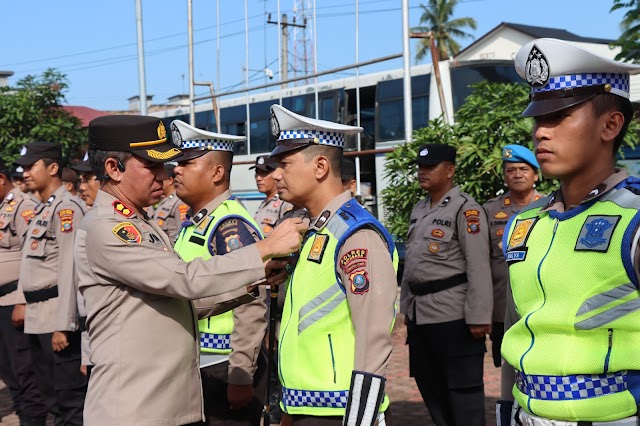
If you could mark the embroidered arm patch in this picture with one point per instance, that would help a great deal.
(127, 232)
(231, 235)
(354, 264)
(473, 221)
(66, 220)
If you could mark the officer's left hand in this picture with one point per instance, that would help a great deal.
(59, 340)
(479, 331)
(239, 396)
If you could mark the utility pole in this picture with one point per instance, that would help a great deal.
(435, 58)
(141, 72)
(284, 40)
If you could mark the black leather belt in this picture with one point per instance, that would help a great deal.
(8, 288)
(41, 295)
(429, 287)
(82, 323)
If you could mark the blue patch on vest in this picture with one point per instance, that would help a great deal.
(596, 233)
(516, 256)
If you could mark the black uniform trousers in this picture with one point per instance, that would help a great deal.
(216, 404)
(447, 364)
(58, 376)
(15, 368)
(497, 333)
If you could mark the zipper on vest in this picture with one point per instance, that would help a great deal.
(333, 359)
(544, 295)
(606, 359)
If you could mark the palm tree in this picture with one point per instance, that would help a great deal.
(436, 17)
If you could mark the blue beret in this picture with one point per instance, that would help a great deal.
(519, 154)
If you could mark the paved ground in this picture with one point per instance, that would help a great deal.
(407, 406)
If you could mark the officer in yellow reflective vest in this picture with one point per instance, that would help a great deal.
(218, 224)
(572, 310)
(335, 336)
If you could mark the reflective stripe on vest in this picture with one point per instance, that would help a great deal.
(317, 342)
(575, 293)
(215, 331)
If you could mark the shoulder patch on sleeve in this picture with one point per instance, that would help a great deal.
(66, 219)
(353, 259)
(231, 235)
(359, 282)
(127, 232)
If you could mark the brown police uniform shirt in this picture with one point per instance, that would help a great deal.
(372, 306)
(445, 240)
(169, 214)
(499, 210)
(16, 211)
(142, 324)
(249, 322)
(47, 261)
(270, 212)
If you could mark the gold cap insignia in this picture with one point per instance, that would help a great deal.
(162, 132)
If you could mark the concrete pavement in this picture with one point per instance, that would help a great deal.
(406, 404)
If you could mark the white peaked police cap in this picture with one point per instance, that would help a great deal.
(562, 75)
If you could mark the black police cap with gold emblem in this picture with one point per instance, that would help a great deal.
(34, 151)
(143, 136)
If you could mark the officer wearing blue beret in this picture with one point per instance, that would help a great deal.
(572, 332)
(520, 171)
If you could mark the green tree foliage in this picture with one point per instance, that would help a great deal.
(489, 119)
(629, 41)
(436, 17)
(32, 111)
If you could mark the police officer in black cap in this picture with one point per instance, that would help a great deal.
(16, 211)
(142, 324)
(446, 293)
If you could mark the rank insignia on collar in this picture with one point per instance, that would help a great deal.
(445, 201)
(596, 233)
(507, 201)
(50, 200)
(122, 209)
(317, 248)
(10, 197)
(322, 219)
(198, 217)
(127, 232)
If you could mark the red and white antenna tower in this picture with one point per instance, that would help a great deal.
(303, 40)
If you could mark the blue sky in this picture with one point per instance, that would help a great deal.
(94, 42)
